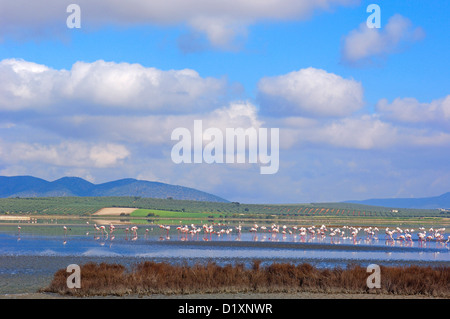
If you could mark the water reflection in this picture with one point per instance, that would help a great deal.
(271, 242)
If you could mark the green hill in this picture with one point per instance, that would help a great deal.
(28, 187)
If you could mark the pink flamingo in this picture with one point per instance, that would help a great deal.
(134, 230)
(421, 236)
(97, 229)
(103, 229)
(390, 233)
(408, 237)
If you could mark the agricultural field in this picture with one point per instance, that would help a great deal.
(170, 208)
(172, 214)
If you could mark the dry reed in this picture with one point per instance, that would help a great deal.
(148, 278)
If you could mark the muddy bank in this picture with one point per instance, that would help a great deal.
(237, 296)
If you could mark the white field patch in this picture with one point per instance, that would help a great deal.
(14, 218)
(110, 221)
(114, 211)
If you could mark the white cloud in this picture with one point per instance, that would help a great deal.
(107, 85)
(309, 92)
(364, 132)
(66, 154)
(327, 151)
(218, 19)
(238, 114)
(24, 83)
(410, 110)
(148, 130)
(220, 32)
(366, 43)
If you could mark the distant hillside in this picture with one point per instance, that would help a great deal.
(442, 201)
(28, 186)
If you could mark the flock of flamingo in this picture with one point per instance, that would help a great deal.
(311, 232)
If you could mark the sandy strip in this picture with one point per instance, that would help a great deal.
(114, 211)
(109, 221)
(14, 218)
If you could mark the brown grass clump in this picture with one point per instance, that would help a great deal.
(163, 278)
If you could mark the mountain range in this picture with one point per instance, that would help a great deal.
(442, 201)
(28, 186)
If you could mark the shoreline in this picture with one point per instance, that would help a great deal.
(219, 296)
(332, 220)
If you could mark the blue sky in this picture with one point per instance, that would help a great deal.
(383, 131)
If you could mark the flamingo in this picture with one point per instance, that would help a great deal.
(408, 237)
(332, 234)
(438, 237)
(103, 229)
(421, 236)
(134, 230)
(65, 230)
(390, 233)
(167, 228)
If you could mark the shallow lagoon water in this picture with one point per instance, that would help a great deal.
(29, 260)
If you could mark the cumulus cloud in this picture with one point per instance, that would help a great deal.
(148, 130)
(220, 31)
(310, 106)
(365, 132)
(27, 85)
(365, 44)
(327, 140)
(410, 110)
(219, 20)
(23, 83)
(309, 92)
(368, 132)
(66, 154)
(238, 114)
